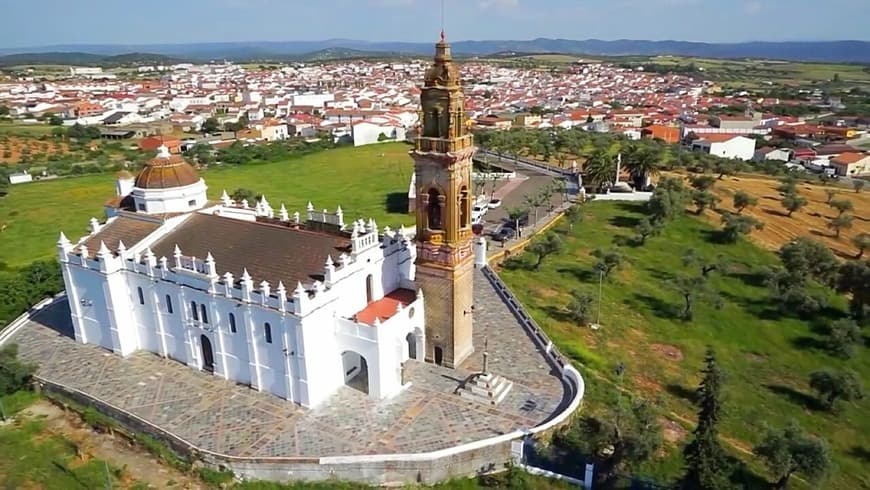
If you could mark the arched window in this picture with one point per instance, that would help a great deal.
(463, 207)
(434, 210)
(370, 289)
(268, 330)
(169, 304)
(194, 311)
(203, 313)
(141, 296)
(232, 323)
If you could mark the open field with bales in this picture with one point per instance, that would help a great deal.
(766, 355)
(366, 182)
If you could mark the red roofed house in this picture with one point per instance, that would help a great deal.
(851, 164)
(668, 134)
(152, 143)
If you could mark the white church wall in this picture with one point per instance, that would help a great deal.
(94, 320)
(302, 363)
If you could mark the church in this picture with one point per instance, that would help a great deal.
(294, 304)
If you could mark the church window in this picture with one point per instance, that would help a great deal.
(232, 323)
(141, 296)
(434, 210)
(169, 304)
(463, 206)
(268, 329)
(194, 311)
(203, 313)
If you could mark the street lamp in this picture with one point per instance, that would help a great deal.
(597, 324)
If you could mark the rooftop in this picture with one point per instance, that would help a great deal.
(269, 252)
(384, 308)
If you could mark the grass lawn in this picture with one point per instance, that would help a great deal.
(25, 129)
(360, 180)
(766, 356)
(31, 457)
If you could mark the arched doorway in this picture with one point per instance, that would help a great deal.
(370, 288)
(411, 339)
(207, 354)
(356, 371)
(439, 355)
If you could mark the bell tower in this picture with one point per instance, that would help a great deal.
(442, 166)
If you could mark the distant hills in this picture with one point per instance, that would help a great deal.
(817, 51)
(86, 59)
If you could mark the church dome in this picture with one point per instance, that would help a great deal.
(166, 171)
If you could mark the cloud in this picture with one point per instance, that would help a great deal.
(498, 4)
(753, 7)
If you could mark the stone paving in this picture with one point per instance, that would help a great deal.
(231, 419)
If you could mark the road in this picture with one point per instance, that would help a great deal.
(531, 178)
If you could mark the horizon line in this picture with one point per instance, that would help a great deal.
(189, 43)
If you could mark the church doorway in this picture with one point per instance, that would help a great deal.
(356, 371)
(207, 354)
(439, 355)
(370, 287)
(411, 339)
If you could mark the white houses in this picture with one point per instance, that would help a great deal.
(726, 146)
(366, 133)
(296, 305)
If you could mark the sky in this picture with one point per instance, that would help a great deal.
(48, 22)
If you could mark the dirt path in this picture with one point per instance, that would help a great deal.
(139, 465)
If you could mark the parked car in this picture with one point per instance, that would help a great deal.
(493, 203)
(504, 234)
(478, 211)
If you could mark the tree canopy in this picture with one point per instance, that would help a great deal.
(836, 385)
(791, 450)
(707, 465)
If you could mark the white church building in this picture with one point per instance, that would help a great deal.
(296, 305)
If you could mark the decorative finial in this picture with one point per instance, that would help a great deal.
(104, 250)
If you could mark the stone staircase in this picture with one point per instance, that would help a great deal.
(488, 389)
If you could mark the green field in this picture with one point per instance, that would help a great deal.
(31, 457)
(757, 73)
(360, 180)
(766, 356)
(33, 130)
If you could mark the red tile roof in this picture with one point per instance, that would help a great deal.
(386, 307)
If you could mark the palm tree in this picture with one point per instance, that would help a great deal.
(642, 162)
(599, 169)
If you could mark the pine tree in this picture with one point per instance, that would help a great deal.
(707, 465)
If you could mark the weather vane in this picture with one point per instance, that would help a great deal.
(442, 20)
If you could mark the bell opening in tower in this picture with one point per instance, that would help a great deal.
(434, 211)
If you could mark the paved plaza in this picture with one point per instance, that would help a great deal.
(226, 418)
